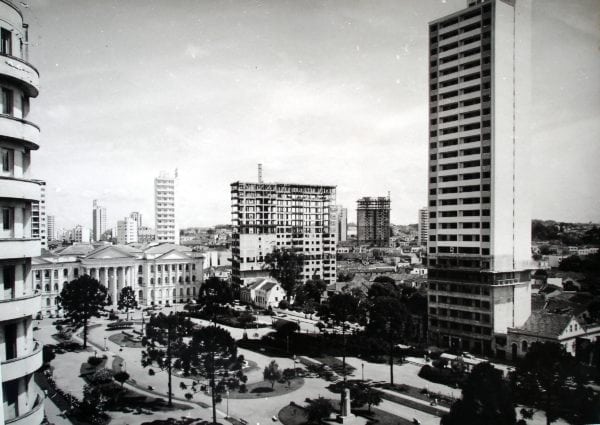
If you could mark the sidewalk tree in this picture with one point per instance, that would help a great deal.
(127, 300)
(82, 299)
(362, 394)
(272, 373)
(214, 293)
(285, 265)
(486, 399)
(164, 343)
(212, 353)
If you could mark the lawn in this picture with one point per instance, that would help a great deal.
(292, 414)
(255, 389)
(124, 341)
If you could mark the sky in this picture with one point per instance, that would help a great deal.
(318, 91)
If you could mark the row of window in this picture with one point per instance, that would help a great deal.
(460, 327)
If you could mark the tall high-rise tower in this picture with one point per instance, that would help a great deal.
(270, 216)
(373, 220)
(164, 208)
(423, 226)
(20, 354)
(339, 222)
(479, 219)
(98, 221)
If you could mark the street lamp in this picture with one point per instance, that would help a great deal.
(226, 417)
(105, 349)
(363, 371)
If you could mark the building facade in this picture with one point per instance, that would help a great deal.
(165, 209)
(373, 221)
(20, 354)
(268, 216)
(423, 226)
(479, 247)
(127, 231)
(137, 216)
(38, 217)
(339, 220)
(98, 221)
(81, 234)
(160, 274)
(51, 227)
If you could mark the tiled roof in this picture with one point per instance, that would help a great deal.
(546, 324)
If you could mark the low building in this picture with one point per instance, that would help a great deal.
(262, 293)
(160, 274)
(543, 326)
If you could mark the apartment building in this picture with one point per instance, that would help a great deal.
(20, 353)
(127, 231)
(51, 227)
(164, 208)
(38, 216)
(423, 226)
(373, 221)
(339, 221)
(98, 221)
(267, 216)
(160, 274)
(479, 221)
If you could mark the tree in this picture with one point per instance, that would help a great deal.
(311, 291)
(318, 409)
(165, 344)
(341, 309)
(272, 373)
(212, 353)
(285, 265)
(362, 394)
(214, 293)
(389, 319)
(288, 374)
(121, 377)
(93, 405)
(127, 300)
(82, 299)
(542, 377)
(486, 400)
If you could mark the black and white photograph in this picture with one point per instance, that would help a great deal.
(300, 212)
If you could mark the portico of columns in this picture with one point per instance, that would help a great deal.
(113, 277)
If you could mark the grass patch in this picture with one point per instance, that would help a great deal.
(420, 393)
(381, 417)
(292, 414)
(257, 389)
(124, 341)
(88, 369)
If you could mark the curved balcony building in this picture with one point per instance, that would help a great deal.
(20, 354)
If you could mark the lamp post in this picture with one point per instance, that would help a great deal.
(227, 416)
(363, 371)
(105, 338)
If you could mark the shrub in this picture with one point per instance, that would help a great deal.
(102, 376)
(261, 390)
(94, 361)
(442, 376)
(151, 372)
(243, 388)
(48, 354)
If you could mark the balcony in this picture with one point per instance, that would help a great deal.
(20, 130)
(15, 188)
(33, 417)
(15, 308)
(19, 248)
(21, 72)
(22, 366)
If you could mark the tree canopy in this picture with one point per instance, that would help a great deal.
(127, 300)
(486, 400)
(82, 299)
(285, 265)
(272, 373)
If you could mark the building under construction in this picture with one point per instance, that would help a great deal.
(267, 216)
(373, 221)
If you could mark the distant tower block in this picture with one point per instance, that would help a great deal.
(260, 179)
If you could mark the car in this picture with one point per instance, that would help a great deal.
(274, 419)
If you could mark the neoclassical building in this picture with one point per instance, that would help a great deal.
(20, 353)
(160, 274)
